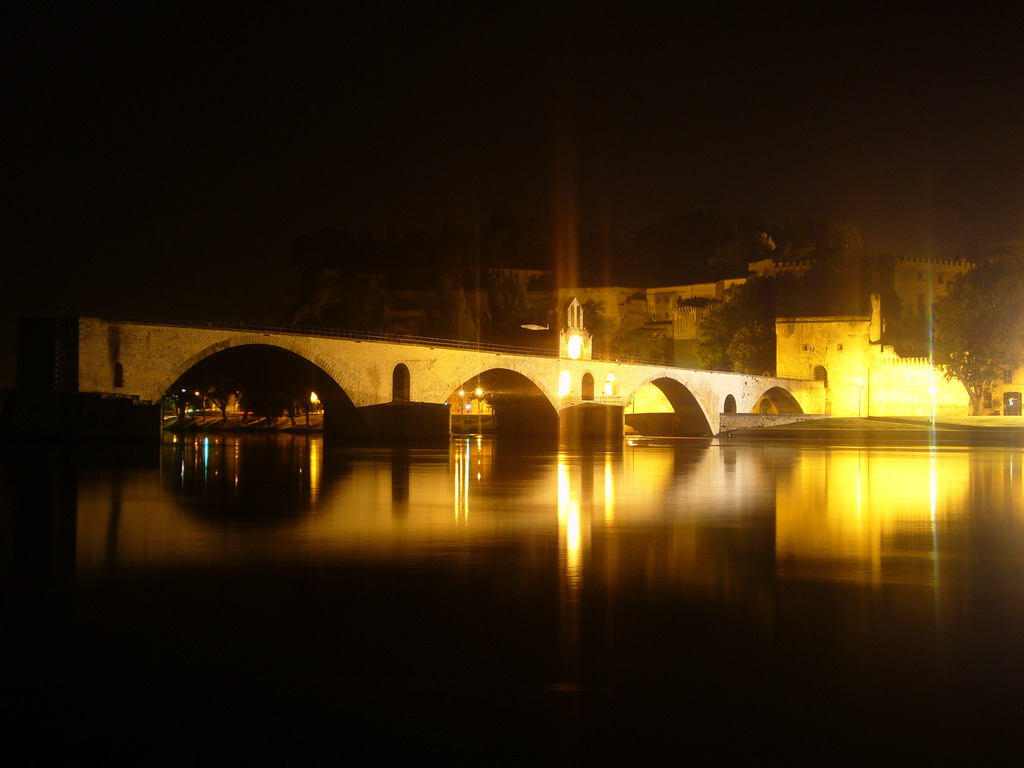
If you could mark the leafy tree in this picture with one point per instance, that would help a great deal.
(738, 334)
(746, 246)
(506, 299)
(811, 239)
(752, 348)
(978, 327)
(450, 315)
(602, 327)
(643, 344)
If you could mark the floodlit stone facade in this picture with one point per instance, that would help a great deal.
(862, 376)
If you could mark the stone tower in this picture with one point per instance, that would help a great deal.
(575, 341)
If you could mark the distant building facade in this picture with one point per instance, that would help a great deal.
(917, 282)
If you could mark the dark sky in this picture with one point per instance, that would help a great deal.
(167, 157)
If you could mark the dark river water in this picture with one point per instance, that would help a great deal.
(282, 599)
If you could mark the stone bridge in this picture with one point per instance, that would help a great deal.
(397, 385)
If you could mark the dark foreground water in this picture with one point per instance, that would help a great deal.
(232, 598)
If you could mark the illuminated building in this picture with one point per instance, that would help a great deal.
(863, 376)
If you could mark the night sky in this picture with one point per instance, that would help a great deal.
(165, 158)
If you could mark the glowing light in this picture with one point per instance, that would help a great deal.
(570, 531)
(462, 393)
(313, 398)
(315, 463)
(609, 384)
(575, 347)
(609, 490)
(463, 453)
(563, 384)
(479, 392)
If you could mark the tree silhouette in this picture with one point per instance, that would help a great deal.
(978, 327)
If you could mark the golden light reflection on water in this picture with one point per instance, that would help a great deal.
(884, 515)
(609, 490)
(570, 540)
(315, 467)
(868, 515)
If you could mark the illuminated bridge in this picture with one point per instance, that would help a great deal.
(391, 386)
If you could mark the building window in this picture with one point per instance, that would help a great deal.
(839, 347)
(941, 278)
(1008, 376)
(118, 375)
(806, 348)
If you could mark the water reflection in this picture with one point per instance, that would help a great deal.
(859, 515)
(711, 592)
(887, 516)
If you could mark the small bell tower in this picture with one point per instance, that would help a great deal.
(575, 341)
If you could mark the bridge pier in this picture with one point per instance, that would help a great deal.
(402, 422)
(590, 421)
(524, 417)
(79, 416)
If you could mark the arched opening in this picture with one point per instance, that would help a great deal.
(665, 407)
(609, 384)
(588, 386)
(257, 386)
(820, 373)
(503, 402)
(777, 400)
(400, 383)
(729, 405)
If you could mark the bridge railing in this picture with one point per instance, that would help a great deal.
(338, 333)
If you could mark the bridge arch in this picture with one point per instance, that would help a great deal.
(518, 405)
(777, 400)
(688, 418)
(294, 345)
(525, 378)
(246, 360)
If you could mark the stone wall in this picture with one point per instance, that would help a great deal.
(731, 421)
(864, 378)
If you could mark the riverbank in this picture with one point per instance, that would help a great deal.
(997, 430)
(236, 423)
